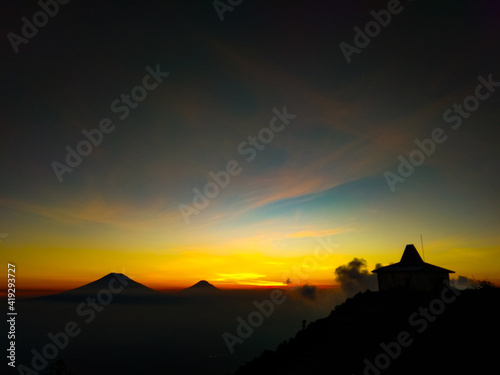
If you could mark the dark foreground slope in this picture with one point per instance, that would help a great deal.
(375, 333)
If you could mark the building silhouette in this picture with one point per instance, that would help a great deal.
(411, 274)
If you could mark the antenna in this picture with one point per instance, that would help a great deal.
(422, 242)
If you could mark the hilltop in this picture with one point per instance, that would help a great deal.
(375, 333)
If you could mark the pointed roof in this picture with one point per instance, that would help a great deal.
(411, 257)
(411, 261)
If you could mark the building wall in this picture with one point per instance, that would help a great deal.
(411, 281)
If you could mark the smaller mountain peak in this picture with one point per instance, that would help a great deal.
(202, 285)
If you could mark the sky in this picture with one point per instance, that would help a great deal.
(301, 116)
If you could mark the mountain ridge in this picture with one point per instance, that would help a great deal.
(364, 334)
(117, 286)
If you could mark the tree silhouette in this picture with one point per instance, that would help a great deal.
(483, 285)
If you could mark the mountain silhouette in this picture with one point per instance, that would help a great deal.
(202, 285)
(202, 289)
(129, 286)
(115, 286)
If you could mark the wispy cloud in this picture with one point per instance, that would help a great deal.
(117, 214)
